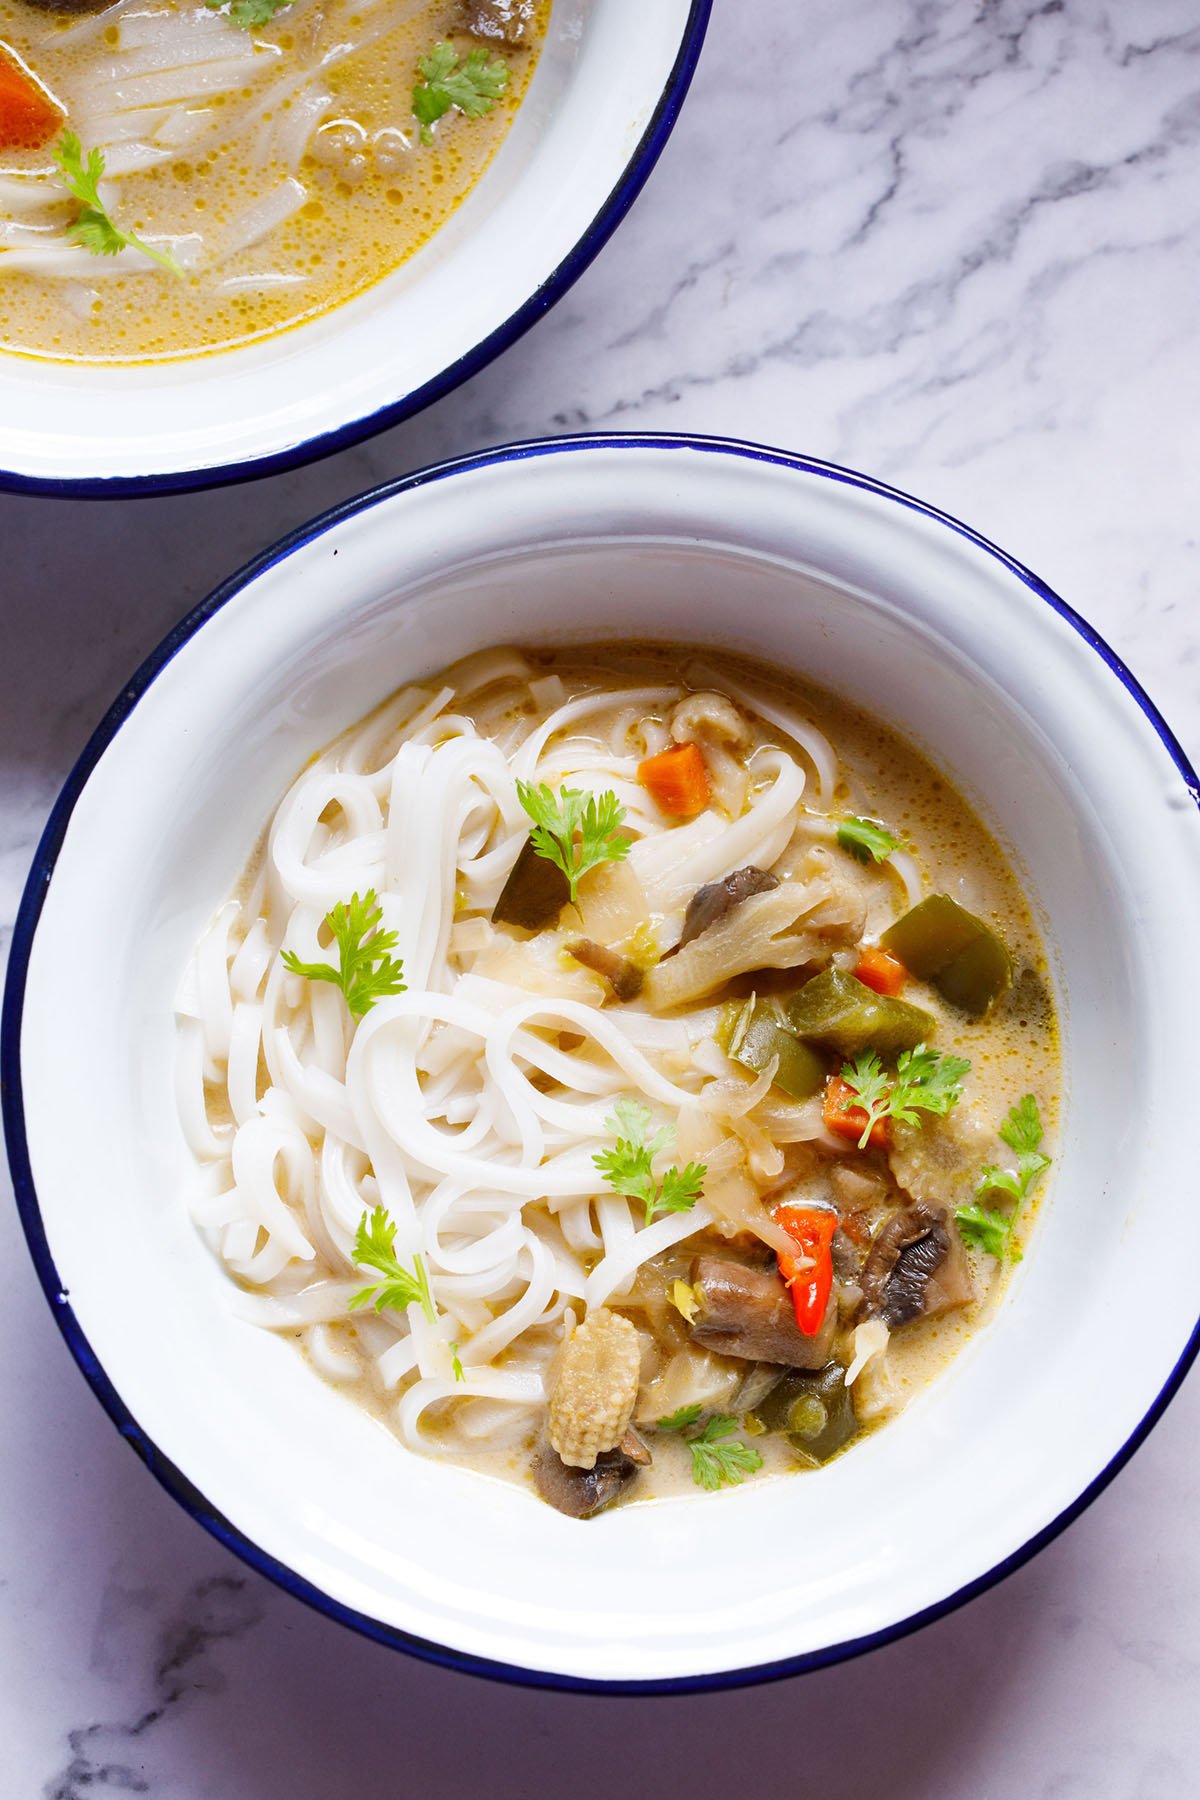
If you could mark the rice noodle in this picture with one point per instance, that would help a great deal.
(470, 1105)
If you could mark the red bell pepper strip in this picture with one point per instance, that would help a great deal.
(811, 1229)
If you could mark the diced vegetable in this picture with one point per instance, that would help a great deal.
(811, 1229)
(713, 902)
(677, 780)
(924, 1081)
(939, 941)
(846, 1118)
(748, 1312)
(838, 1011)
(29, 117)
(534, 894)
(622, 975)
(815, 1411)
(758, 1035)
(882, 973)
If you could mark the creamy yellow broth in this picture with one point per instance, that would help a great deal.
(302, 119)
(1013, 1051)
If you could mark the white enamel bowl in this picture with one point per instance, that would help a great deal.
(606, 92)
(874, 595)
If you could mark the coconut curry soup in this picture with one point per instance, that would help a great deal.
(619, 1075)
(183, 175)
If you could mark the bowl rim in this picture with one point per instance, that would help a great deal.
(167, 1473)
(587, 247)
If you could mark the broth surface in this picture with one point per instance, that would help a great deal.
(306, 121)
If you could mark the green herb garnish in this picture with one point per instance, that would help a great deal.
(94, 229)
(715, 1463)
(576, 832)
(627, 1167)
(680, 1420)
(473, 85)
(248, 13)
(365, 971)
(924, 1082)
(374, 1248)
(867, 839)
(987, 1228)
(456, 1368)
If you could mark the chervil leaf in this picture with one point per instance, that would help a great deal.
(871, 1089)
(374, 1248)
(924, 1082)
(627, 1167)
(574, 831)
(983, 1229)
(867, 840)
(248, 13)
(1022, 1130)
(472, 86)
(680, 1189)
(999, 1181)
(716, 1463)
(94, 230)
(365, 971)
(679, 1421)
(987, 1228)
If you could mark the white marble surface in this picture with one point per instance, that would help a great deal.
(955, 243)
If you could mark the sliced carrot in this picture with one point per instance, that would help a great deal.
(29, 116)
(876, 969)
(677, 780)
(850, 1121)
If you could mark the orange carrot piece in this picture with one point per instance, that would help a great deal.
(29, 116)
(677, 780)
(876, 969)
(850, 1121)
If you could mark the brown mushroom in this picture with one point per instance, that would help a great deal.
(748, 1312)
(623, 976)
(717, 898)
(497, 21)
(580, 1493)
(916, 1268)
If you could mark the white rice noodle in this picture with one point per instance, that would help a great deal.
(62, 261)
(672, 865)
(22, 194)
(472, 1104)
(814, 743)
(263, 217)
(289, 134)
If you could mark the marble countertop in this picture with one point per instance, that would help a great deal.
(956, 244)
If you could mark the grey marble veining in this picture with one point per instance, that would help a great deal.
(956, 245)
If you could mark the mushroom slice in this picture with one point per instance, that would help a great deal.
(792, 926)
(496, 21)
(579, 1493)
(717, 899)
(916, 1268)
(748, 1312)
(623, 976)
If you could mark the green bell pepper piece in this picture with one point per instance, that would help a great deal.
(841, 1013)
(813, 1409)
(758, 1034)
(939, 941)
